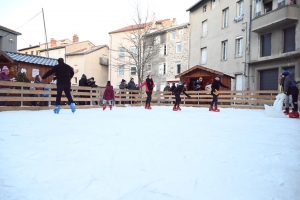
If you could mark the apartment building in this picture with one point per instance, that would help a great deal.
(123, 42)
(275, 42)
(219, 38)
(173, 54)
(93, 62)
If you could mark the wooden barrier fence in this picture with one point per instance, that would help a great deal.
(18, 96)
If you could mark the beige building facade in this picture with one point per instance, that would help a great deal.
(275, 42)
(219, 38)
(117, 57)
(173, 55)
(93, 62)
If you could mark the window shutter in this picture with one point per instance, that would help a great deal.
(266, 45)
(289, 39)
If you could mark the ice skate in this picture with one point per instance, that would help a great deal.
(72, 106)
(175, 108)
(57, 109)
(294, 114)
(104, 107)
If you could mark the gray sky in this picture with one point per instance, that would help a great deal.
(89, 19)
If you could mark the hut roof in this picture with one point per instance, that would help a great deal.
(202, 68)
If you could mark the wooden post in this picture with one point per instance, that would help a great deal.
(22, 95)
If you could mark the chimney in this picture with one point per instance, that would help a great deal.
(75, 38)
(52, 42)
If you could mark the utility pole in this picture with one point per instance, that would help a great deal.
(47, 54)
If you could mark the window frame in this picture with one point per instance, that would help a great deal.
(121, 53)
(225, 17)
(178, 64)
(204, 24)
(239, 46)
(224, 52)
(120, 70)
(131, 71)
(263, 47)
(202, 53)
(173, 35)
(178, 44)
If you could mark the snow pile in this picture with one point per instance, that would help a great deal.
(136, 154)
(276, 109)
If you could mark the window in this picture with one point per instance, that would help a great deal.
(163, 69)
(133, 50)
(178, 68)
(240, 8)
(121, 70)
(157, 40)
(224, 50)
(239, 46)
(31, 52)
(266, 45)
(214, 3)
(203, 55)
(204, 28)
(121, 52)
(180, 32)
(178, 48)
(165, 50)
(132, 36)
(133, 70)
(268, 6)
(225, 17)
(289, 39)
(258, 6)
(281, 3)
(173, 35)
(204, 8)
(293, 2)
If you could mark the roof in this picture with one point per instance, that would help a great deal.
(31, 47)
(201, 68)
(27, 58)
(85, 50)
(9, 30)
(138, 26)
(63, 46)
(193, 6)
(169, 29)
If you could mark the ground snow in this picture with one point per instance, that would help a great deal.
(136, 154)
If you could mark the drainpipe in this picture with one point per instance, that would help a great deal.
(249, 46)
(109, 71)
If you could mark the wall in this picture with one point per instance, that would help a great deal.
(6, 43)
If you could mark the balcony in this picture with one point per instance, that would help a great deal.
(103, 61)
(276, 18)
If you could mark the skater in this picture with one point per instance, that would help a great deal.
(108, 96)
(177, 92)
(288, 98)
(149, 88)
(215, 93)
(63, 73)
(290, 88)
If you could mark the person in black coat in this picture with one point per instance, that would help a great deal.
(83, 82)
(64, 73)
(177, 92)
(173, 87)
(199, 84)
(215, 86)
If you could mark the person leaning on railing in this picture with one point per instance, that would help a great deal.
(4, 77)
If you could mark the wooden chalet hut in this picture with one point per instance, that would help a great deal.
(34, 65)
(208, 75)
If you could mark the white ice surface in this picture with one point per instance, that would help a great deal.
(136, 154)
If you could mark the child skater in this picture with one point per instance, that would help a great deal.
(108, 95)
(177, 91)
(215, 92)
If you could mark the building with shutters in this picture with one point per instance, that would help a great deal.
(219, 38)
(173, 56)
(275, 42)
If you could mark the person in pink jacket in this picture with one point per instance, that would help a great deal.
(4, 77)
(149, 88)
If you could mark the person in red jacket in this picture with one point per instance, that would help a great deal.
(108, 95)
(149, 88)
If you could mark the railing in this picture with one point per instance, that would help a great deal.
(19, 97)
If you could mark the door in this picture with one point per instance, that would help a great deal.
(269, 79)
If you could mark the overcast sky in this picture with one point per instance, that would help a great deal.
(89, 19)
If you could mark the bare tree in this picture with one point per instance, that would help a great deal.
(136, 49)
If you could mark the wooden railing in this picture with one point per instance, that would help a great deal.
(18, 96)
